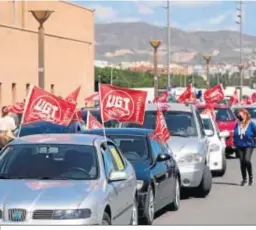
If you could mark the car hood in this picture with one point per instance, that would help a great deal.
(44, 194)
(142, 169)
(180, 145)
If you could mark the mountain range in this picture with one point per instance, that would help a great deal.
(129, 42)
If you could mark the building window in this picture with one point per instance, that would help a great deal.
(13, 93)
(52, 88)
(27, 88)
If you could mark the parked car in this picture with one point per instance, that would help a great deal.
(251, 109)
(43, 127)
(66, 179)
(217, 159)
(158, 178)
(226, 121)
(188, 142)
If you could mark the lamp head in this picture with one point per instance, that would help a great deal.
(41, 15)
(155, 43)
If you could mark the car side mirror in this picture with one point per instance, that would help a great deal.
(224, 134)
(208, 132)
(117, 176)
(163, 157)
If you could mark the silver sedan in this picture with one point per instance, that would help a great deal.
(63, 179)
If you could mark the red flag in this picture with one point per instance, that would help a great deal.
(91, 98)
(72, 97)
(163, 97)
(161, 132)
(233, 99)
(78, 116)
(188, 95)
(92, 122)
(122, 104)
(246, 101)
(209, 109)
(45, 106)
(214, 94)
(253, 98)
(17, 108)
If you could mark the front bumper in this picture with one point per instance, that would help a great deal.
(215, 161)
(191, 174)
(77, 222)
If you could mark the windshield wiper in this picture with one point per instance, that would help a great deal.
(179, 134)
(7, 177)
(52, 178)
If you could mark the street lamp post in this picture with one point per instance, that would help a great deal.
(41, 16)
(240, 67)
(240, 23)
(208, 59)
(155, 44)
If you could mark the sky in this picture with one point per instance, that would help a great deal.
(187, 15)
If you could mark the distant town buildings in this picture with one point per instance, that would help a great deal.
(182, 69)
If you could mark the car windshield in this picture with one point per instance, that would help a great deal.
(49, 161)
(252, 111)
(222, 114)
(134, 148)
(207, 124)
(179, 123)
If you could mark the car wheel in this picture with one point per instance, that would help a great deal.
(134, 218)
(106, 219)
(224, 168)
(149, 211)
(176, 202)
(206, 184)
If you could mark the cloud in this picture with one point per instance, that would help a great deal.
(103, 12)
(179, 3)
(143, 9)
(219, 22)
(129, 19)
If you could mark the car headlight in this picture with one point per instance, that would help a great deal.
(190, 159)
(71, 214)
(140, 184)
(214, 148)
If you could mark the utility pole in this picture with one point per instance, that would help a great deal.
(239, 21)
(167, 8)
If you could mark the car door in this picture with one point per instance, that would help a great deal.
(124, 188)
(170, 165)
(160, 175)
(202, 136)
(114, 196)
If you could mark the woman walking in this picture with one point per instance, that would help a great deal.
(244, 140)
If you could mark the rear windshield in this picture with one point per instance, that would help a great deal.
(134, 148)
(179, 123)
(222, 114)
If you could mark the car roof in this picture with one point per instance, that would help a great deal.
(119, 131)
(216, 106)
(205, 116)
(171, 107)
(243, 106)
(77, 139)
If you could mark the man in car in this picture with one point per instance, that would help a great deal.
(7, 120)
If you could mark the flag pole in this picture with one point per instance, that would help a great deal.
(87, 119)
(25, 108)
(101, 113)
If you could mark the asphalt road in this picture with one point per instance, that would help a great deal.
(227, 204)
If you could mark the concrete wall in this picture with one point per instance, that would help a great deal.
(69, 49)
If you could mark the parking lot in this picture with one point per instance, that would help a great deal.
(228, 203)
